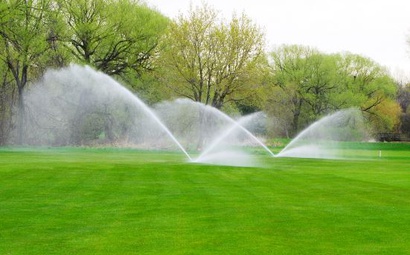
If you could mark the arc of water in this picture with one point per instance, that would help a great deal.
(81, 80)
(215, 143)
(235, 124)
(329, 118)
(301, 134)
(157, 120)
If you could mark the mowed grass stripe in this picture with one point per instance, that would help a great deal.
(128, 202)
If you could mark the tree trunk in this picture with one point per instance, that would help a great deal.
(296, 114)
(6, 107)
(21, 116)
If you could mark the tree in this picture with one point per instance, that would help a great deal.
(7, 100)
(365, 78)
(305, 77)
(280, 110)
(116, 36)
(403, 98)
(6, 89)
(386, 116)
(211, 61)
(367, 85)
(314, 84)
(24, 37)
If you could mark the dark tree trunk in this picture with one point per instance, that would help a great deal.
(21, 116)
(296, 114)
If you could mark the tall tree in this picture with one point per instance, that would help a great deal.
(305, 77)
(209, 60)
(7, 101)
(366, 79)
(114, 36)
(313, 84)
(6, 90)
(24, 37)
(369, 86)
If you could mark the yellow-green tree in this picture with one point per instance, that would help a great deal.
(209, 60)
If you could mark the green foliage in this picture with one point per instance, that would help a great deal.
(24, 38)
(147, 86)
(119, 37)
(116, 37)
(209, 60)
(306, 78)
(314, 84)
(371, 89)
(108, 201)
(25, 45)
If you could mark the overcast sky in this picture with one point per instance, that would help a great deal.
(373, 28)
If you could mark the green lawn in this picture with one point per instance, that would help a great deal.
(118, 201)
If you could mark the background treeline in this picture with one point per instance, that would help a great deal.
(199, 55)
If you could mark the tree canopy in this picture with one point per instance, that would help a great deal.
(209, 60)
(24, 32)
(312, 84)
(115, 36)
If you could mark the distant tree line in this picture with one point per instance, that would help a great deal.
(198, 55)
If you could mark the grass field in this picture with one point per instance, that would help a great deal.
(122, 201)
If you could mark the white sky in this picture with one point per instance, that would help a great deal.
(372, 28)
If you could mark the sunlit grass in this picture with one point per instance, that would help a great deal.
(123, 201)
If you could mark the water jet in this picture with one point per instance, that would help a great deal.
(322, 138)
(77, 105)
